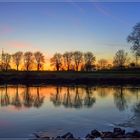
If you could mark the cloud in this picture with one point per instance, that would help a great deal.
(17, 45)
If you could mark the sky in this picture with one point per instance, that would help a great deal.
(50, 27)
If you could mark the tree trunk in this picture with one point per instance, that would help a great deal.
(27, 68)
(17, 67)
(57, 68)
(68, 68)
(77, 68)
(38, 67)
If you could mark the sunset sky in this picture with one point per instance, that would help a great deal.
(67, 26)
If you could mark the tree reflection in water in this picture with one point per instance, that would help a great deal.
(103, 92)
(119, 99)
(136, 109)
(134, 120)
(73, 97)
(16, 101)
(55, 97)
(38, 100)
(28, 98)
(89, 98)
(5, 100)
(77, 102)
(67, 99)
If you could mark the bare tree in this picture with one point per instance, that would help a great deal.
(120, 59)
(6, 58)
(17, 57)
(39, 58)
(134, 39)
(56, 61)
(102, 63)
(89, 60)
(67, 56)
(78, 58)
(28, 60)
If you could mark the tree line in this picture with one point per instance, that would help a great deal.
(68, 61)
(76, 61)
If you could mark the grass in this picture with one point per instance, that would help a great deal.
(104, 76)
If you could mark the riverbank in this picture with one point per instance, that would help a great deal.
(117, 133)
(64, 77)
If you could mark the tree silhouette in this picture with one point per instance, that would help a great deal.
(120, 59)
(89, 60)
(39, 58)
(102, 63)
(78, 59)
(56, 61)
(6, 58)
(134, 39)
(28, 60)
(67, 56)
(17, 57)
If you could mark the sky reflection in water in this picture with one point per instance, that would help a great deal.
(59, 109)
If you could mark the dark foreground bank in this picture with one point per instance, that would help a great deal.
(64, 77)
(117, 133)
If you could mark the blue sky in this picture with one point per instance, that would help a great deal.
(101, 27)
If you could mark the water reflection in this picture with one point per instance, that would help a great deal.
(23, 99)
(134, 121)
(4, 98)
(73, 97)
(119, 99)
(69, 96)
(16, 101)
(55, 98)
(89, 98)
(76, 107)
(38, 100)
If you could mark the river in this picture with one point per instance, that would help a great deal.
(55, 110)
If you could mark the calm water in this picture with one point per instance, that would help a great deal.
(56, 110)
